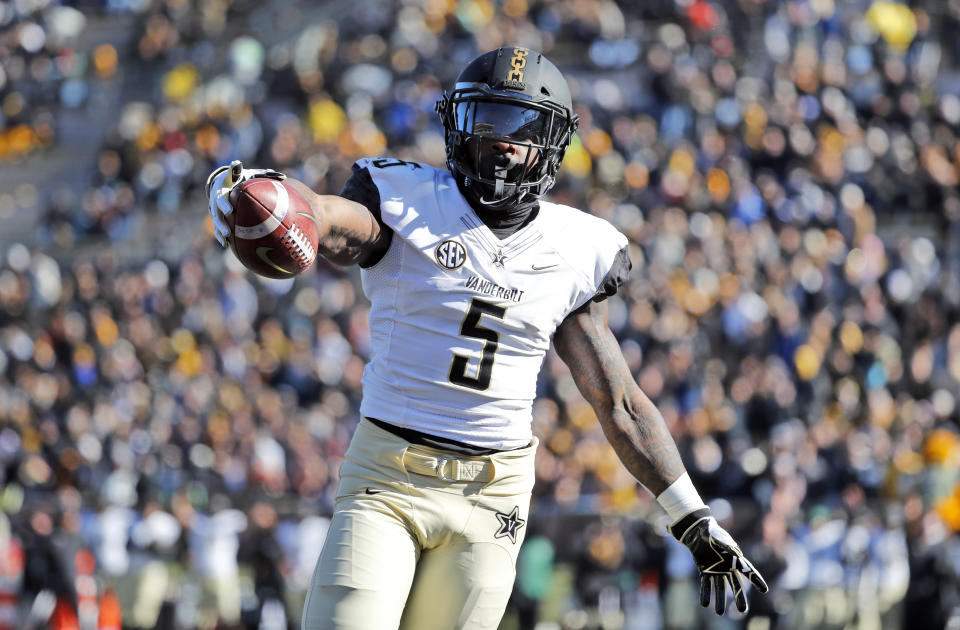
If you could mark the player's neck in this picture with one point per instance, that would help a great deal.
(503, 223)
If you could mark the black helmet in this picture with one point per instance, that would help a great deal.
(509, 95)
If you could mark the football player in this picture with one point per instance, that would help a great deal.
(470, 274)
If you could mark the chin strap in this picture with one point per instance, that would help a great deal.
(474, 193)
(502, 220)
(501, 175)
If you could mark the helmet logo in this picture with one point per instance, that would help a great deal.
(450, 254)
(518, 63)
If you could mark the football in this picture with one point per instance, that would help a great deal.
(272, 229)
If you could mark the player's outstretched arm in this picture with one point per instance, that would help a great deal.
(639, 435)
(349, 233)
(630, 421)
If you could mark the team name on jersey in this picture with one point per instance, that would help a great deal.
(486, 287)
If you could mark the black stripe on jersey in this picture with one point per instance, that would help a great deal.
(477, 227)
(507, 248)
(424, 439)
(360, 188)
(616, 277)
(518, 248)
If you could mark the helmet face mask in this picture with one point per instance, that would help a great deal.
(502, 146)
(505, 137)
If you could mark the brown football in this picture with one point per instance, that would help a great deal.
(272, 229)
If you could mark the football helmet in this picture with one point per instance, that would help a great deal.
(509, 96)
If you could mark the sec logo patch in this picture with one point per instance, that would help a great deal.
(450, 255)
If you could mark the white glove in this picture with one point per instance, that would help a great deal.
(221, 183)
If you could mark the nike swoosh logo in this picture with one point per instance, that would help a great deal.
(262, 255)
(372, 491)
(542, 267)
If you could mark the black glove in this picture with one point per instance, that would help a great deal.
(718, 559)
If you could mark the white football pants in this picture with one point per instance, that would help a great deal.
(421, 538)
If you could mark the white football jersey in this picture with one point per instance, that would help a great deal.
(461, 320)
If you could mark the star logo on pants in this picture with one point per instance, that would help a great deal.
(510, 524)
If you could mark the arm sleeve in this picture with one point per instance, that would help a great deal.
(616, 277)
(361, 189)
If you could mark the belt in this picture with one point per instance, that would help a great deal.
(449, 468)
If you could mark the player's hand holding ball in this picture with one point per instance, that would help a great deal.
(268, 224)
(221, 183)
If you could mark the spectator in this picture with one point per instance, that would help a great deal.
(260, 550)
(786, 173)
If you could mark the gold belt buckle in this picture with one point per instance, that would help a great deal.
(440, 471)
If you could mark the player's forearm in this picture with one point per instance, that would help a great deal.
(639, 435)
(348, 232)
(348, 242)
(631, 422)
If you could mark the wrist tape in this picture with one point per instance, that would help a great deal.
(680, 498)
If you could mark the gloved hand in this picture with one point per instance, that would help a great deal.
(220, 183)
(718, 559)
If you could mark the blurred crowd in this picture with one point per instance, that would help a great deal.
(171, 426)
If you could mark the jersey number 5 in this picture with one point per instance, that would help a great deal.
(471, 328)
